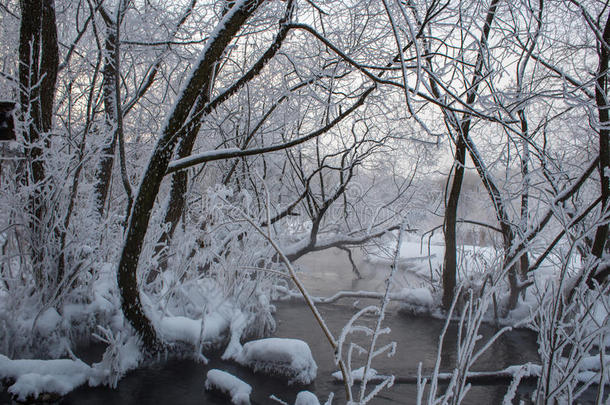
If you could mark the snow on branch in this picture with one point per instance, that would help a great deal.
(232, 153)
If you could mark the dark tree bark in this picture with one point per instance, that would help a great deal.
(179, 180)
(450, 222)
(157, 167)
(508, 233)
(524, 263)
(112, 111)
(460, 128)
(601, 98)
(49, 64)
(38, 59)
(109, 73)
(463, 143)
(30, 34)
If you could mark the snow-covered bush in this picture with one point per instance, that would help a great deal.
(121, 355)
(573, 326)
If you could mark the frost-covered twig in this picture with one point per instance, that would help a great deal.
(288, 294)
(389, 381)
(329, 336)
(506, 375)
(568, 331)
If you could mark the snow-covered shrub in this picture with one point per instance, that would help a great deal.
(121, 355)
(573, 328)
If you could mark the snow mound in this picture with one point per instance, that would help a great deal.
(180, 328)
(34, 377)
(48, 321)
(230, 385)
(590, 369)
(306, 398)
(287, 357)
(356, 374)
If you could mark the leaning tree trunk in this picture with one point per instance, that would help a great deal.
(600, 274)
(157, 167)
(203, 106)
(179, 183)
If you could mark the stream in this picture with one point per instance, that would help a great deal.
(182, 381)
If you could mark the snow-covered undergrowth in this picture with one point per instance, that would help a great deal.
(192, 312)
(51, 331)
(420, 264)
(219, 319)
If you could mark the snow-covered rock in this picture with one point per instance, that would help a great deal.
(356, 374)
(287, 357)
(228, 384)
(306, 398)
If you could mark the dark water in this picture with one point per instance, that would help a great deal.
(182, 381)
(417, 340)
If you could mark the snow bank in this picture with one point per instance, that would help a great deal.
(287, 357)
(230, 385)
(34, 377)
(180, 328)
(306, 398)
(593, 363)
(411, 252)
(31, 378)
